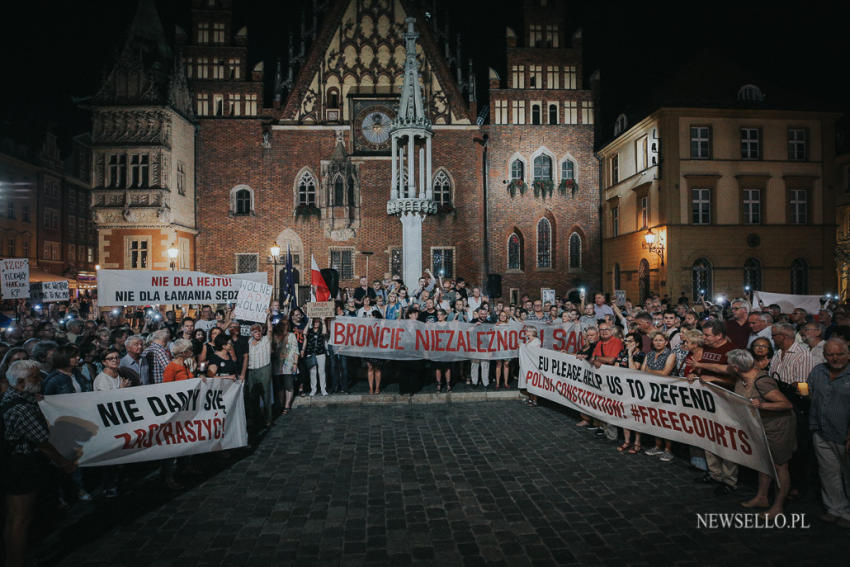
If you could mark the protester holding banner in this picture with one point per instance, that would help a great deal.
(287, 353)
(779, 426)
(25, 469)
(660, 361)
(259, 381)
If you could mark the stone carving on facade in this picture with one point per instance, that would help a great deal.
(146, 126)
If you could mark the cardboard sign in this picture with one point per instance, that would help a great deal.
(48, 292)
(253, 301)
(620, 297)
(547, 294)
(15, 274)
(319, 309)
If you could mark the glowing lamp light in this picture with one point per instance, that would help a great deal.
(173, 252)
(650, 237)
(97, 266)
(275, 250)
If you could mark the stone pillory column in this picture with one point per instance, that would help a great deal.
(411, 128)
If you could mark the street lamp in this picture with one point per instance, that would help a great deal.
(173, 252)
(275, 251)
(654, 244)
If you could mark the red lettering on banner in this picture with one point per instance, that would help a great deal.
(462, 343)
(423, 340)
(674, 421)
(732, 431)
(663, 415)
(349, 334)
(383, 333)
(513, 340)
(686, 427)
(360, 338)
(126, 437)
(478, 336)
(179, 434)
(200, 431)
(719, 433)
(501, 341)
(373, 334)
(572, 343)
(339, 333)
(745, 446)
(653, 417)
(398, 333)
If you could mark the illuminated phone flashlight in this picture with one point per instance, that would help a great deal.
(157, 317)
(116, 311)
(702, 292)
(746, 288)
(581, 290)
(149, 312)
(37, 307)
(719, 299)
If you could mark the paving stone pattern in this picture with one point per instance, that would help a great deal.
(492, 482)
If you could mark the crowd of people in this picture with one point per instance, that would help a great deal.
(794, 367)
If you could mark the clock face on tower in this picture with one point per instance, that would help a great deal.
(371, 126)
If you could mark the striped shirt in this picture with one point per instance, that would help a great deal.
(259, 353)
(792, 366)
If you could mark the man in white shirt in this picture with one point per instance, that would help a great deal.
(813, 335)
(760, 324)
(207, 321)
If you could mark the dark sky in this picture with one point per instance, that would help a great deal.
(57, 50)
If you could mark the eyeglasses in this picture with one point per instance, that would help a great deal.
(111, 358)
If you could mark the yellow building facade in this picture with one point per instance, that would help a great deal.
(730, 197)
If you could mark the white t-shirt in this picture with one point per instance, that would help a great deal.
(205, 325)
(103, 382)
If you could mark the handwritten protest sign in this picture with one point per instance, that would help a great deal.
(47, 292)
(148, 287)
(253, 301)
(319, 309)
(15, 274)
(712, 418)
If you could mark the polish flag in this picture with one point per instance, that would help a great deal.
(318, 282)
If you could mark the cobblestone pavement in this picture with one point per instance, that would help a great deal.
(492, 482)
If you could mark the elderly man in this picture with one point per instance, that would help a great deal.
(829, 421)
(134, 359)
(363, 291)
(813, 337)
(760, 325)
(25, 470)
(737, 328)
(714, 368)
(600, 308)
(791, 362)
(157, 355)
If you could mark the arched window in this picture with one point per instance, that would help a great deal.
(701, 278)
(442, 188)
(575, 251)
(243, 202)
(799, 277)
(752, 274)
(543, 168)
(553, 114)
(616, 281)
(535, 114)
(352, 203)
(568, 169)
(339, 192)
(333, 97)
(307, 189)
(544, 243)
(750, 93)
(514, 252)
(517, 170)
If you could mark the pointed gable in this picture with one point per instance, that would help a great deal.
(360, 50)
(146, 71)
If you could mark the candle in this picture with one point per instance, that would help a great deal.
(803, 388)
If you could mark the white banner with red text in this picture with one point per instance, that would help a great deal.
(151, 287)
(444, 341)
(147, 423)
(712, 418)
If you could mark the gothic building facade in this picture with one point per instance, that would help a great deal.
(338, 164)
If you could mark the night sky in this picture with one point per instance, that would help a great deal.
(55, 51)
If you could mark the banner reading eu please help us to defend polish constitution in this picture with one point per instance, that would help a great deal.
(443, 341)
(711, 418)
(147, 423)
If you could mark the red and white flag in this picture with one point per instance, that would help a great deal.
(320, 288)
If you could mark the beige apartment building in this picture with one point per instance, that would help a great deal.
(729, 197)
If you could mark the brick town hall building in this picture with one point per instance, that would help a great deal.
(375, 159)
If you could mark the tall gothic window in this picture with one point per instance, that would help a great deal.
(752, 273)
(544, 243)
(339, 192)
(307, 189)
(352, 203)
(568, 169)
(543, 168)
(701, 273)
(799, 277)
(514, 252)
(575, 251)
(442, 188)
